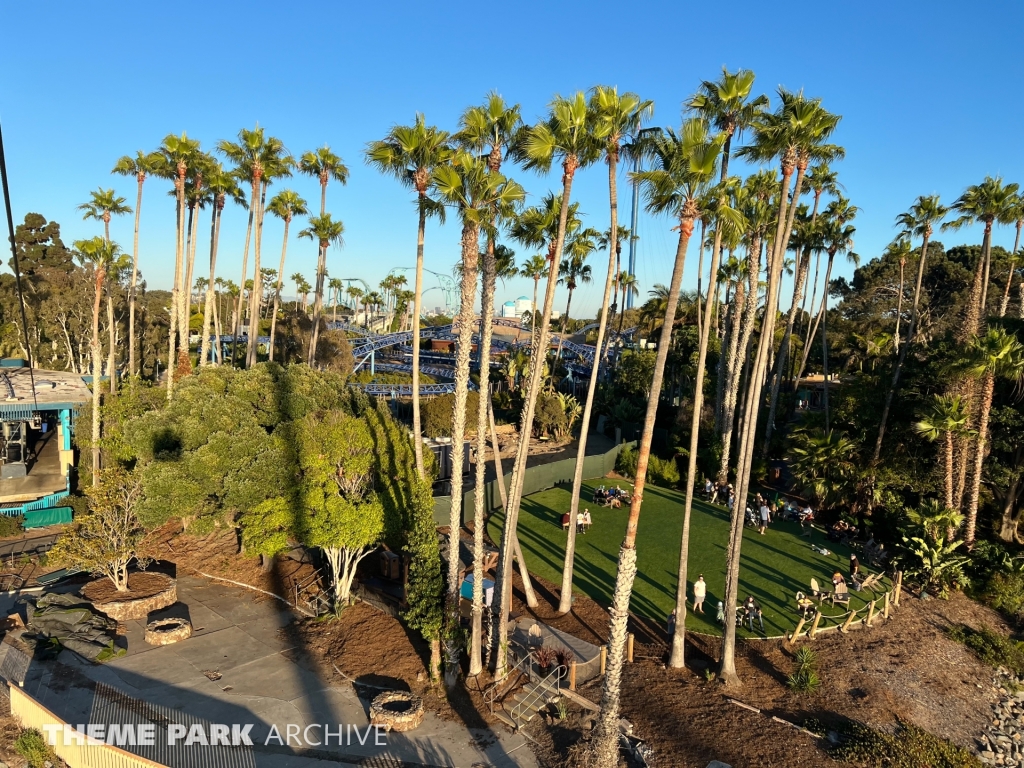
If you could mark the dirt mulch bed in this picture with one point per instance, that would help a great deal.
(140, 586)
(906, 668)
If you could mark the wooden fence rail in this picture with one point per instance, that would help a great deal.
(844, 622)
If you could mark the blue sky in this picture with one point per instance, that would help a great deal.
(929, 93)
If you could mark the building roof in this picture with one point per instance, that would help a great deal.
(524, 298)
(54, 391)
(509, 304)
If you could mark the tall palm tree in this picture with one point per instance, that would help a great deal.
(323, 165)
(899, 250)
(326, 231)
(838, 237)
(574, 271)
(197, 196)
(989, 203)
(628, 286)
(566, 136)
(487, 129)
(919, 221)
(796, 134)
(103, 256)
(410, 153)
(336, 286)
(140, 167)
(997, 354)
(947, 417)
(535, 268)
(1014, 214)
(820, 179)
(685, 165)
(355, 293)
(103, 205)
(258, 158)
(286, 204)
(178, 154)
(727, 106)
(476, 191)
(221, 185)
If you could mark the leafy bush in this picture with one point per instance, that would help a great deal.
(660, 472)
(991, 647)
(11, 526)
(549, 417)
(437, 414)
(33, 747)
(1005, 593)
(805, 679)
(908, 747)
(625, 464)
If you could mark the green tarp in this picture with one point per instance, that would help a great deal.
(40, 518)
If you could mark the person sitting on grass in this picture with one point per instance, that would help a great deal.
(708, 487)
(751, 611)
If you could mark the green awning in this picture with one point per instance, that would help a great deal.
(40, 518)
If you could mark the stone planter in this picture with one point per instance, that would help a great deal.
(397, 711)
(167, 631)
(139, 608)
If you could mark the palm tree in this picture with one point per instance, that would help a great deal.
(326, 232)
(257, 159)
(947, 417)
(795, 134)
(355, 293)
(286, 204)
(574, 272)
(336, 286)
(221, 185)
(470, 185)
(323, 165)
(489, 129)
(178, 154)
(535, 268)
(139, 166)
(988, 203)
(820, 179)
(725, 105)
(565, 136)
(103, 256)
(685, 165)
(838, 237)
(919, 221)
(899, 250)
(410, 154)
(103, 205)
(1015, 213)
(997, 354)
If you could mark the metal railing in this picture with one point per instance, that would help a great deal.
(522, 667)
(545, 689)
(309, 594)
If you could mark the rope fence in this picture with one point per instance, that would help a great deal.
(871, 611)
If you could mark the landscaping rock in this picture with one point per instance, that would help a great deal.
(1000, 744)
(717, 764)
(397, 711)
(167, 631)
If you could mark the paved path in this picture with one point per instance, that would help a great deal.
(237, 641)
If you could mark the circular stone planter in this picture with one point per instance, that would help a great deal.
(167, 631)
(161, 592)
(397, 711)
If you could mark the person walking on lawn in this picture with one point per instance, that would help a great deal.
(700, 591)
(766, 517)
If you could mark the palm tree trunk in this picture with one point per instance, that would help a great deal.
(899, 308)
(976, 303)
(700, 275)
(824, 348)
(96, 391)
(971, 516)
(533, 314)
(470, 259)
(949, 469)
(111, 342)
(277, 290)
(417, 308)
(193, 238)
(677, 657)
(175, 292)
(565, 595)
(802, 268)
(1009, 278)
(606, 740)
(503, 585)
(318, 300)
(257, 285)
(911, 330)
(209, 308)
(746, 443)
(565, 326)
(813, 327)
(132, 370)
(482, 428)
(240, 303)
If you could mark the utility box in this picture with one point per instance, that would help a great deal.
(390, 565)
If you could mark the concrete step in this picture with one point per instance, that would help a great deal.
(506, 719)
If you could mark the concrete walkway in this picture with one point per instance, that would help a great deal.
(239, 668)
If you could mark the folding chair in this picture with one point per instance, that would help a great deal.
(816, 593)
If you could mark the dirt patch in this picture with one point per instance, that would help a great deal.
(140, 586)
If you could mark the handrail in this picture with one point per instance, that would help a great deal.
(543, 688)
(523, 666)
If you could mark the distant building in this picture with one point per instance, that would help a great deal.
(517, 308)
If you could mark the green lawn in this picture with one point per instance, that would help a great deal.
(773, 567)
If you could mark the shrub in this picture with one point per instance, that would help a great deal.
(1005, 593)
(908, 747)
(805, 679)
(437, 415)
(11, 526)
(661, 472)
(549, 418)
(625, 464)
(32, 746)
(991, 647)
(544, 656)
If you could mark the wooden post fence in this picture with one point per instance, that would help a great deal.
(885, 607)
(871, 612)
(896, 589)
(849, 620)
(572, 675)
(629, 647)
(604, 657)
(814, 625)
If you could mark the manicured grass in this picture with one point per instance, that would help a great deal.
(773, 567)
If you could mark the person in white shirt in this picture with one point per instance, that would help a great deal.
(700, 591)
(766, 517)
